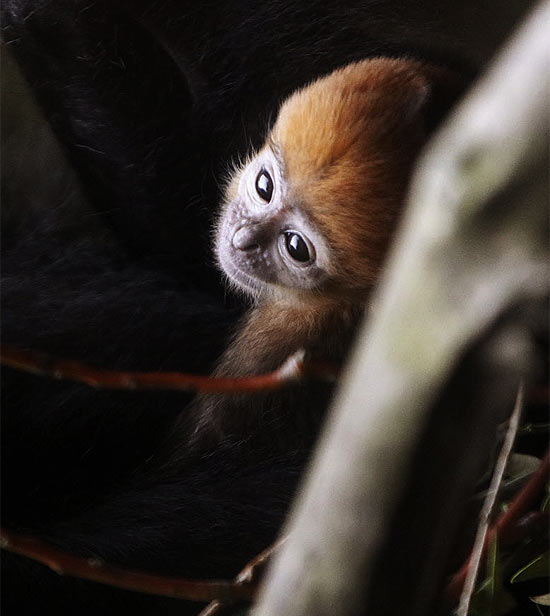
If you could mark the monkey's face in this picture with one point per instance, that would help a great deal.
(305, 235)
(266, 243)
(312, 213)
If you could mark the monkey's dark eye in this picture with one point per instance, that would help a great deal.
(296, 247)
(264, 185)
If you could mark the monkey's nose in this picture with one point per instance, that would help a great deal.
(246, 238)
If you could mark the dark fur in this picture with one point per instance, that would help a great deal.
(150, 105)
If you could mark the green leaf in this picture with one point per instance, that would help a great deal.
(521, 465)
(541, 599)
(491, 598)
(534, 428)
(537, 568)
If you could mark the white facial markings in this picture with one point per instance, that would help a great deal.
(265, 245)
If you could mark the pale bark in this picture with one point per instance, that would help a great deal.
(474, 244)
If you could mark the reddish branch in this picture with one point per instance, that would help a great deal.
(220, 593)
(98, 571)
(508, 528)
(251, 574)
(35, 362)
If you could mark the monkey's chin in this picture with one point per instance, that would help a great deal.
(242, 281)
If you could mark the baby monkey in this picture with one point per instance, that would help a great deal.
(307, 220)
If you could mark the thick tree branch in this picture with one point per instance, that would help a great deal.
(372, 528)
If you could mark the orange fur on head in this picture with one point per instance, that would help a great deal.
(348, 142)
(342, 149)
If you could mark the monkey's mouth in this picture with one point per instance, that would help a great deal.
(237, 277)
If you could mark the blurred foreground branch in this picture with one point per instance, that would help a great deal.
(438, 363)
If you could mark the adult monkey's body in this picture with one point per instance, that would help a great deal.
(150, 121)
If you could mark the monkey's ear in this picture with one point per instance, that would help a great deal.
(442, 88)
(412, 91)
(415, 97)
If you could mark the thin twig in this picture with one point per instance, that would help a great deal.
(251, 574)
(507, 528)
(293, 369)
(97, 571)
(214, 608)
(488, 506)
